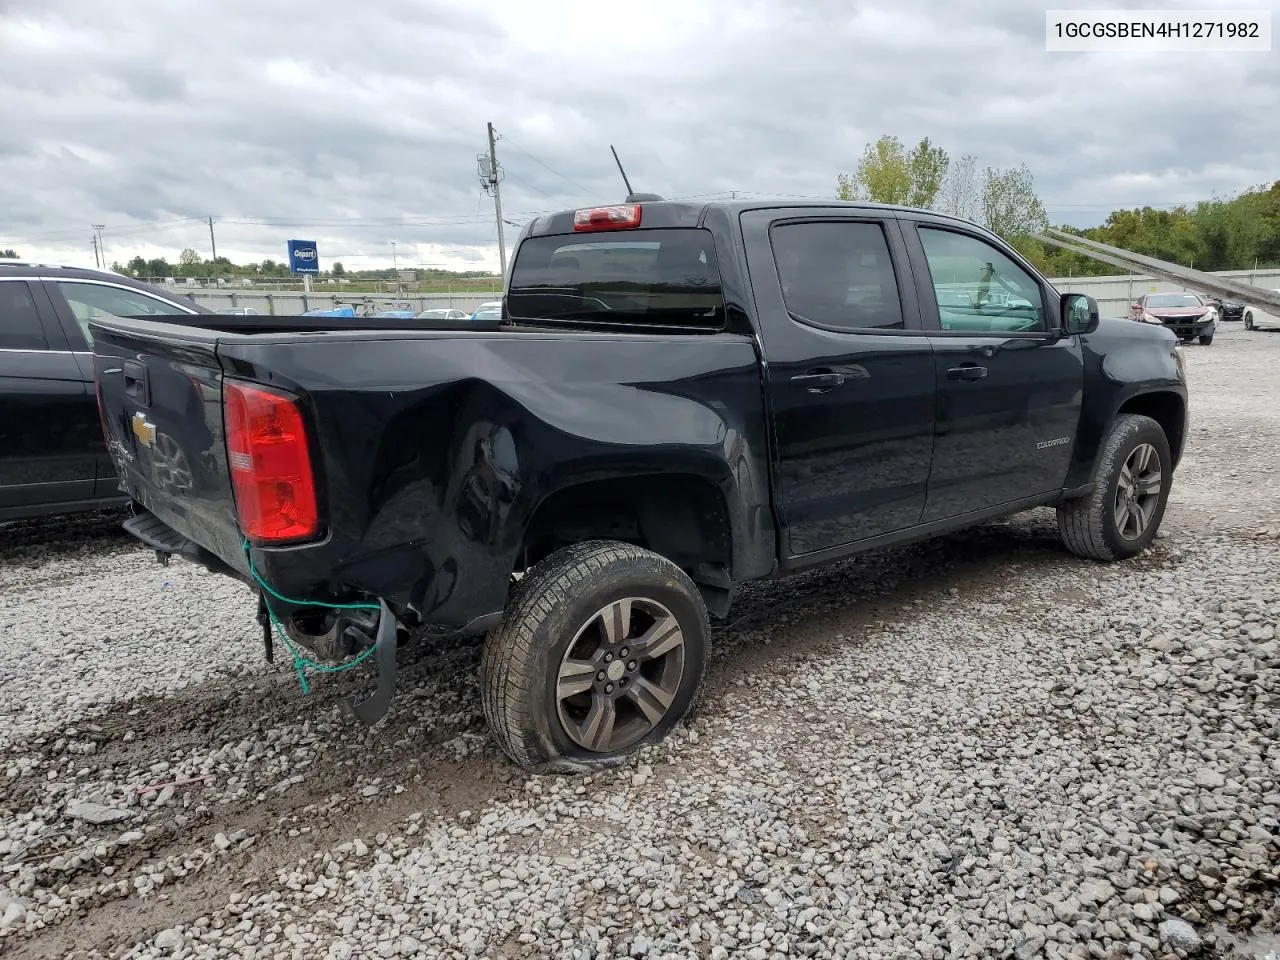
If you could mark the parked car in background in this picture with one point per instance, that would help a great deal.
(1257, 318)
(347, 311)
(444, 313)
(238, 312)
(396, 314)
(1188, 315)
(53, 458)
(1227, 309)
(490, 310)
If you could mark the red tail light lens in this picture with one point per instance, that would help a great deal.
(623, 217)
(270, 465)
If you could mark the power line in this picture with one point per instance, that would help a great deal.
(511, 143)
(530, 186)
(135, 228)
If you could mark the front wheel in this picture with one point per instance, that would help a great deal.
(1132, 479)
(602, 650)
(1248, 321)
(1206, 339)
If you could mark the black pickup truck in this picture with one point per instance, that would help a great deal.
(677, 398)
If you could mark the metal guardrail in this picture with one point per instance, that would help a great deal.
(1196, 279)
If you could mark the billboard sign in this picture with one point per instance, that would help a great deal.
(303, 257)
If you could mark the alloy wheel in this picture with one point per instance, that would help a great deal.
(619, 676)
(1138, 491)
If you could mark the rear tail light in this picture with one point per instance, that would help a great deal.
(622, 217)
(270, 465)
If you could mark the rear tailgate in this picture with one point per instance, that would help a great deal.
(160, 390)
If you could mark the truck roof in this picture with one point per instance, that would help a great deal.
(657, 213)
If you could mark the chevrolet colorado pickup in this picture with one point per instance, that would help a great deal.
(675, 399)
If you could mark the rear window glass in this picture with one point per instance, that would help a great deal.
(643, 278)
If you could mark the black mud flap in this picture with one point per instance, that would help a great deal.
(372, 709)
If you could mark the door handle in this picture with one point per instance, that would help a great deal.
(819, 381)
(970, 371)
(135, 382)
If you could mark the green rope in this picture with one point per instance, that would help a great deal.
(299, 660)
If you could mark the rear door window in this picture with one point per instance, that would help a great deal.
(20, 325)
(643, 278)
(837, 275)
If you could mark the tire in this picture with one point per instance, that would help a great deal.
(1206, 340)
(1248, 321)
(1088, 526)
(559, 608)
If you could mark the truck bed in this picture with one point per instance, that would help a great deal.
(432, 443)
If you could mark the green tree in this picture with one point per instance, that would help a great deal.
(889, 173)
(927, 167)
(159, 267)
(338, 269)
(9, 254)
(1010, 207)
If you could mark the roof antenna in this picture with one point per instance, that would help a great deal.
(620, 170)
(631, 197)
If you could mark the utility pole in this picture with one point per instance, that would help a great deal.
(102, 247)
(497, 205)
(96, 262)
(212, 242)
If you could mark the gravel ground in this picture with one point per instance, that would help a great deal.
(975, 747)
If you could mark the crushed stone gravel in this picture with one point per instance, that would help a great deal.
(978, 746)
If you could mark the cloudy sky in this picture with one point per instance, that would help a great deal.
(358, 124)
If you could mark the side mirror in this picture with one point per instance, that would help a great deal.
(1079, 313)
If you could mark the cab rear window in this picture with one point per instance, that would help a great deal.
(644, 278)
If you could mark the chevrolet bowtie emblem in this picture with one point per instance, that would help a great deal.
(145, 432)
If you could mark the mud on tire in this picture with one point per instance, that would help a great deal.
(632, 617)
(1089, 526)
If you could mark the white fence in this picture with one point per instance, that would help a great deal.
(292, 303)
(1113, 293)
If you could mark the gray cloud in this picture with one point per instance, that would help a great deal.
(358, 125)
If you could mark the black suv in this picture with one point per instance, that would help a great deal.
(52, 455)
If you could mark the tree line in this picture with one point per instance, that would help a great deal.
(191, 264)
(1235, 233)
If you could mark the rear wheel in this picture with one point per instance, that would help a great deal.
(602, 650)
(1132, 478)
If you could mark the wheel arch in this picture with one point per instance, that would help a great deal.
(1166, 408)
(684, 517)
